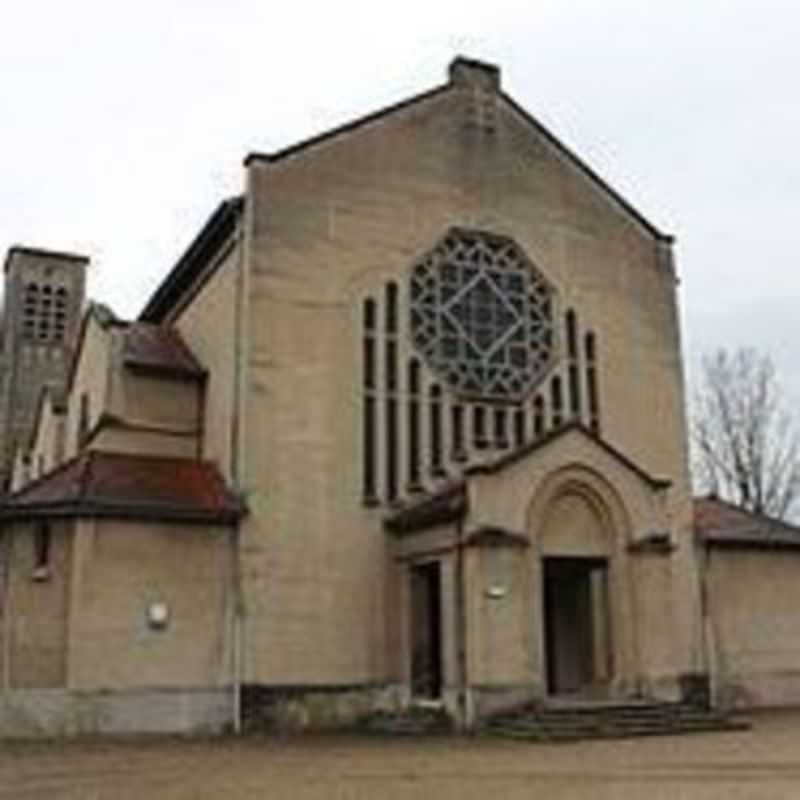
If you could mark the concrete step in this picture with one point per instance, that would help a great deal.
(609, 721)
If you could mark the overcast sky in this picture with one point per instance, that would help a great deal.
(122, 124)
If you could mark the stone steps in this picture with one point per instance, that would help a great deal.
(608, 721)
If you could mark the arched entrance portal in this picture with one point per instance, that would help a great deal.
(576, 552)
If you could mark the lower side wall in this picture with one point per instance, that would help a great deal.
(753, 690)
(49, 713)
(753, 628)
(317, 707)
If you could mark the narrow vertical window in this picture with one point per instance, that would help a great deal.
(437, 468)
(457, 419)
(390, 388)
(413, 425)
(538, 416)
(572, 335)
(500, 436)
(83, 420)
(556, 400)
(591, 382)
(573, 368)
(370, 487)
(391, 365)
(391, 308)
(31, 310)
(391, 448)
(42, 541)
(369, 477)
(369, 344)
(479, 436)
(519, 427)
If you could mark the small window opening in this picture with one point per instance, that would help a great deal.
(457, 414)
(591, 383)
(83, 420)
(479, 436)
(42, 541)
(391, 448)
(437, 467)
(556, 399)
(519, 427)
(573, 370)
(538, 416)
(500, 436)
(369, 422)
(391, 308)
(413, 425)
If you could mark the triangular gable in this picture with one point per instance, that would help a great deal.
(551, 439)
(451, 502)
(584, 169)
(486, 77)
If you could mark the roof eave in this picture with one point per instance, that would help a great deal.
(151, 512)
(347, 127)
(161, 371)
(593, 176)
(217, 230)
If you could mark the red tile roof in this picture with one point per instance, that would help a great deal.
(122, 485)
(723, 524)
(157, 348)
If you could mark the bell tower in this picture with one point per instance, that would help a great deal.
(44, 298)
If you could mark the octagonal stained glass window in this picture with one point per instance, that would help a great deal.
(482, 315)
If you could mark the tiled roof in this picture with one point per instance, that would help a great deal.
(722, 524)
(157, 348)
(98, 484)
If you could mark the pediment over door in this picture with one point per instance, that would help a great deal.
(572, 477)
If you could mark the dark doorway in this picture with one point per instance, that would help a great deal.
(577, 643)
(426, 630)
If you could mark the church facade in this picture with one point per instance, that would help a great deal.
(404, 423)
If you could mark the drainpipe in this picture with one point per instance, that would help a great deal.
(708, 639)
(237, 475)
(238, 624)
(464, 700)
(5, 582)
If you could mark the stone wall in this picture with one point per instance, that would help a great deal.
(754, 627)
(52, 713)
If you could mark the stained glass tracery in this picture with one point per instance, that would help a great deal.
(482, 315)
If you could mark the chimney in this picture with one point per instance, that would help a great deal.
(475, 74)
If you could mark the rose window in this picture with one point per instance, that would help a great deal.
(482, 315)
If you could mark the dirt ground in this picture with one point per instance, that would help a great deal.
(762, 763)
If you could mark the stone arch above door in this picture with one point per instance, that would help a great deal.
(576, 512)
(575, 526)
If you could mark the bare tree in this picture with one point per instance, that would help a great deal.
(746, 445)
